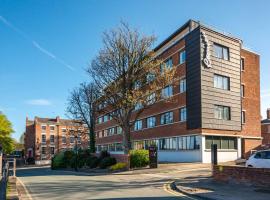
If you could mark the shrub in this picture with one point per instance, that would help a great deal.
(139, 158)
(92, 162)
(58, 161)
(118, 166)
(107, 162)
(69, 158)
(104, 154)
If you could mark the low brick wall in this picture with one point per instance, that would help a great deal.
(250, 176)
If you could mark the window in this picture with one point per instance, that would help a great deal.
(51, 128)
(43, 138)
(111, 147)
(149, 143)
(168, 64)
(111, 131)
(221, 142)
(151, 99)
(262, 155)
(43, 127)
(64, 130)
(138, 106)
(242, 90)
(52, 150)
(71, 139)
(43, 150)
(105, 118)
(183, 85)
(99, 120)
(137, 85)
(118, 147)
(150, 77)
(189, 142)
(183, 114)
(64, 139)
(243, 117)
(242, 64)
(138, 125)
(51, 138)
(138, 145)
(151, 122)
(221, 82)
(167, 91)
(221, 51)
(182, 57)
(118, 130)
(222, 112)
(79, 139)
(166, 118)
(167, 144)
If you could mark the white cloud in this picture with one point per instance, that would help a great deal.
(39, 102)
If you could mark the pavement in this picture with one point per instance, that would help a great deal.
(43, 183)
(206, 188)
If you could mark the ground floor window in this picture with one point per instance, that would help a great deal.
(222, 142)
(189, 142)
(138, 145)
(149, 143)
(167, 144)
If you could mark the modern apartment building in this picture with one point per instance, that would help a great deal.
(215, 101)
(266, 129)
(45, 137)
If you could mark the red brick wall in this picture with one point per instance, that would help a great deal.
(266, 134)
(254, 176)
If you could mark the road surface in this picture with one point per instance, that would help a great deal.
(45, 184)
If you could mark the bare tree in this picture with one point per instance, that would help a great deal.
(130, 76)
(81, 105)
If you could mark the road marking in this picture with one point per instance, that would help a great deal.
(168, 189)
(25, 189)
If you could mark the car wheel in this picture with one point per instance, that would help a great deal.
(250, 166)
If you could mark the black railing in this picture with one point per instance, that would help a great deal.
(4, 180)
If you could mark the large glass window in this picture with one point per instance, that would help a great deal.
(221, 142)
(149, 143)
(110, 131)
(183, 114)
(167, 91)
(182, 57)
(166, 118)
(151, 122)
(167, 144)
(221, 51)
(118, 147)
(138, 145)
(138, 125)
(64, 139)
(188, 142)
(221, 82)
(222, 112)
(182, 85)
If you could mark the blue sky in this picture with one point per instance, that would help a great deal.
(46, 45)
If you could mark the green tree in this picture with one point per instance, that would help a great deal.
(5, 134)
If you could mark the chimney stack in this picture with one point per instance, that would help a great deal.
(57, 119)
(268, 113)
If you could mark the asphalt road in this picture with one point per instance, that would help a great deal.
(43, 183)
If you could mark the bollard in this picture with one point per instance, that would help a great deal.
(214, 154)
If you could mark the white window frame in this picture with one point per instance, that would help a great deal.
(183, 85)
(167, 91)
(138, 125)
(182, 57)
(151, 122)
(183, 114)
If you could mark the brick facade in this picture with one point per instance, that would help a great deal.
(45, 137)
(265, 124)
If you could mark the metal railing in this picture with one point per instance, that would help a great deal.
(4, 180)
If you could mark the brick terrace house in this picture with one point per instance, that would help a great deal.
(46, 136)
(215, 101)
(266, 129)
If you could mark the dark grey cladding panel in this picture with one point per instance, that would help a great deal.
(210, 95)
(193, 78)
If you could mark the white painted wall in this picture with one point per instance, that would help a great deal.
(223, 155)
(180, 156)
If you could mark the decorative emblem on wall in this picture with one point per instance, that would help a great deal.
(206, 54)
